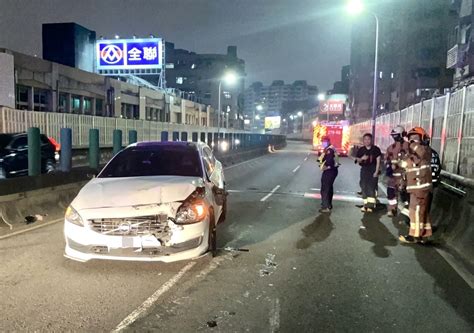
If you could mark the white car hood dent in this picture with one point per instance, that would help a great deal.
(135, 191)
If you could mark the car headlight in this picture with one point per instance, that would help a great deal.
(191, 212)
(73, 217)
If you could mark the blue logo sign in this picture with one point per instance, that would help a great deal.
(129, 53)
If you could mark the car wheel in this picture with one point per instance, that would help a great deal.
(212, 237)
(50, 166)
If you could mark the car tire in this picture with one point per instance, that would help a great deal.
(50, 166)
(212, 237)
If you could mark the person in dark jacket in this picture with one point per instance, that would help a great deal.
(369, 159)
(328, 163)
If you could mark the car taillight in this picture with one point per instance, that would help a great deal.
(57, 146)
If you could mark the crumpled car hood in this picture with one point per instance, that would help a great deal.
(134, 191)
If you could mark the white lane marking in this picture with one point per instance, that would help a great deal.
(132, 317)
(270, 194)
(19, 232)
(383, 188)
(275, 316)
(213, 265)
(305, 159)
(297, 168)
(340, 197)
(458, 267)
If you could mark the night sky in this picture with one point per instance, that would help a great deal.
(278, 39)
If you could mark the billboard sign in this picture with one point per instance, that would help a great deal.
(332, 107)
(123, 54)
(272, 123)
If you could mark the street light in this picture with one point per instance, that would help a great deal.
(229, 78)
(355, 7)
(259, 108)
(321, 97)
(300, 114)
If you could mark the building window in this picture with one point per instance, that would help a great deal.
(193, 66)
(87, 105)
(21, 97)
(207, 95)
(99, 107)
(40, 100)
(392, 75)
(76, 104)
(179, 80)
(227, 95)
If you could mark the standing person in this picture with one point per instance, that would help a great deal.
(329, 163)
(417, 166)
(369, 157)
(395, 154)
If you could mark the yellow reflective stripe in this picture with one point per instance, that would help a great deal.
(418, 169)
(417, 187)
(371, 200)
(417, 221)
(405, 212)
(365, 201)
(397, 174)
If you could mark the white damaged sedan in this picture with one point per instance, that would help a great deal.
(152, 202)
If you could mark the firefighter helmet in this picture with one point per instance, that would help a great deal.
(419, 131)
(399, 130)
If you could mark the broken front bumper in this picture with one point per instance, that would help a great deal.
(187, 242)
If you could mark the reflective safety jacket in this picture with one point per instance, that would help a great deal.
(394, 156)
(329, 158)
(417, 168)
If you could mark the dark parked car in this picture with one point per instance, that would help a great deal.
(14, 155)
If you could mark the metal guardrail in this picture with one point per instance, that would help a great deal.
(449, 120)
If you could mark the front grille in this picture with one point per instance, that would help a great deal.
(133, 226)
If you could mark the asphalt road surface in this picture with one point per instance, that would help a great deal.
(304, 272)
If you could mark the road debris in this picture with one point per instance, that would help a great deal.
(269, 267)
(212, 323)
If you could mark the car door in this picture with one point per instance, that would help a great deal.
(19, 155)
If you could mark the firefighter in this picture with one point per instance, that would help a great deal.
(328, 163)
(417, 169)
(394, 156)
(369, 158)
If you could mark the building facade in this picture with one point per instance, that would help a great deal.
(412, 56)
(69, 44)
(278, 99)
(460, 57)
(198, 76)
(33, 84)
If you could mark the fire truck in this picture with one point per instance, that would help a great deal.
(338, 133)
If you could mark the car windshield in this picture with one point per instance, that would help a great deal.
(155, 161)
(4, 140)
